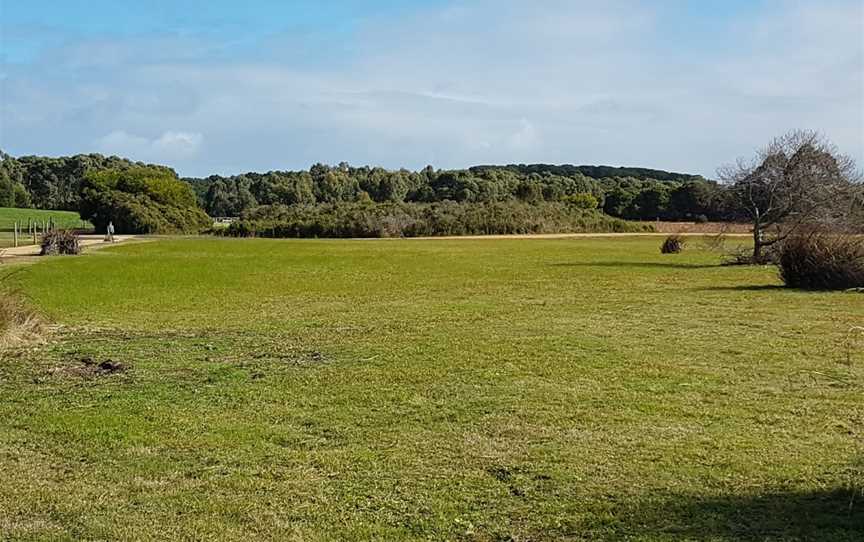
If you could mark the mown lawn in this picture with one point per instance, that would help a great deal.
(478, 390)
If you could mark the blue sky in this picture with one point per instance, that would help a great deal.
(223, 86)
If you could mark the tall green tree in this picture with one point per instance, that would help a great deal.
(141, 200)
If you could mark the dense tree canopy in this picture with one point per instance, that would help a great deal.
(55, 183)
(140, 200)
(670, 196)
(12, 192)
(631, 193)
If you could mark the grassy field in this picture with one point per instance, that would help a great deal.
(6, 240)
(63, 219)
(8, 217)
(429, 390)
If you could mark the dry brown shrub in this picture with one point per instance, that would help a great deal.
(822, 261)
(58, 242)
(672, 245)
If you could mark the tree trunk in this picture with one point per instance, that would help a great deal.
(757, 243)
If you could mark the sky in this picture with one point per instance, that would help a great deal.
(221, 86)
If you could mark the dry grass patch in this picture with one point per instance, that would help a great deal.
(19, 324)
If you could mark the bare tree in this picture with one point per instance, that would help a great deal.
(798, 180)
(856, 210)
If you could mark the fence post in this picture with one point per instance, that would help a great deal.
(15, 234)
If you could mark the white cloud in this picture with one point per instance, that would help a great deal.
(178, 143)
(479, 82)
(168, 147)
(526, 138)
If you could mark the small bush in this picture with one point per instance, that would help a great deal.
(822, 261)
(59, 242)
(672, 245)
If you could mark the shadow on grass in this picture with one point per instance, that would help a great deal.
(639, 265)
(748, 288)
(820, 515)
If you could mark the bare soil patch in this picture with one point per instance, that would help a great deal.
(28, 252)
(87, 367)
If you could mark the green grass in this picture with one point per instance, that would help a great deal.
(431, 390)
(63, 219)
(8, 217)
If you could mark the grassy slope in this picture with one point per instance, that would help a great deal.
(64, 219)
(431, 389)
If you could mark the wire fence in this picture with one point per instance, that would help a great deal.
(29, 232)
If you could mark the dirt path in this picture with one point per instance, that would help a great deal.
(87, 241)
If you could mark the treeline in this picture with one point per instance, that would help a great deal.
(630, 193)
(68, 183)
(136, 197)
(400, 219)
(56, 183)
(595, 172)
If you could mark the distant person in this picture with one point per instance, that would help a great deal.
(110, 232)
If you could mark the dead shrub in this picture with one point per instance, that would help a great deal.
(672, 245)
(743, 255)
(822, 261)
(59, 242)
(738, 256)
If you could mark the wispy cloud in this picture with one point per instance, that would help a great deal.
(473, 82)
